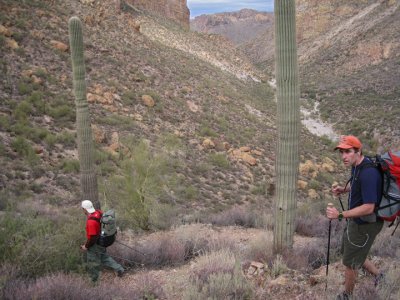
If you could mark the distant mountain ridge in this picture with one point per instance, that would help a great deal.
(237, 27)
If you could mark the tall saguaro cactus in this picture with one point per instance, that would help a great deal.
(83, 128)
(288, 118)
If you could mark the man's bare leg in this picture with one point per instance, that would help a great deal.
(350, 276)
(370, 267)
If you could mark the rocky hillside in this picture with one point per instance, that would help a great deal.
(176, 10)
(200, 107)
(348, 56)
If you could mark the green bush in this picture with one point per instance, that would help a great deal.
(24, 149)
(219, 160)
(70, 166)
(136, 192)
(39, 244)
(36, 98)
(62, 112)
(207, 131)
(66, 138)
(5, 122)
(129, 97)
(24, 88)
(23, 110)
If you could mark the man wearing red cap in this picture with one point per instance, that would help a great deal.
(365, 191)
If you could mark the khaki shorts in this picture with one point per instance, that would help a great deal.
(357, 241)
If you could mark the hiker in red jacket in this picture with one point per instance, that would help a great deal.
(365, 191)
(96, 255)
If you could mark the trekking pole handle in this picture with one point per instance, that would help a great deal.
(330, 205)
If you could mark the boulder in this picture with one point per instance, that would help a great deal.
(148, 101)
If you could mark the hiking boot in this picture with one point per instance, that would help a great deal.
(120, 273)
(344, 296)
(379, 279)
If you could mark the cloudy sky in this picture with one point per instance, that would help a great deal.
(198, 7)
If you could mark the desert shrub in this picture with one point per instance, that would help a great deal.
(5, 122)
(67, 286)
(246, 216)
(386, 244)
(63, 112)
(38, 244)
(24, 87)
(259, 189)
(23, 110)
(145, 179)
(23, 148)
(389, 287)
(217, 275)
(219, 160)
(278, 267)
(313, 226)
(70, 166)
(159, 251)
(190, 193)
(129, 97)
(207, 131)
(36, 99)
(236, 215)
(50, 140)
(307, 257)
(66, 138)
(260, 249)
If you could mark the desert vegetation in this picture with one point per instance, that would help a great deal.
(184, 151)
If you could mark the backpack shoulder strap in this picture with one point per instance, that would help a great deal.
(94, 216)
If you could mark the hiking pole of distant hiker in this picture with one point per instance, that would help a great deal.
(329, 247)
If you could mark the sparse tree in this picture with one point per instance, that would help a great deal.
(288, 123)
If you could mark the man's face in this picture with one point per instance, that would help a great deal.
(349, 156)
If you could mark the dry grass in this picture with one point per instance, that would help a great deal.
(261, 249)
(64, 286)
(173, 247)
(247, 217)
(386, 244)
(217, 275)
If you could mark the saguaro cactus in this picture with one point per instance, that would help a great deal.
(83, 128)
(288, 119)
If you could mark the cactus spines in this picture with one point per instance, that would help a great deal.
(288, 119)
(83, 128)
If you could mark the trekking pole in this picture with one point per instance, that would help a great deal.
(329, 247)
(341, 203)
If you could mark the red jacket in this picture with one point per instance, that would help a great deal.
(93, 228)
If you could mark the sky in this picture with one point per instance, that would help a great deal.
(199, 7)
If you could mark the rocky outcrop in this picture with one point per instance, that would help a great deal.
(176, 10)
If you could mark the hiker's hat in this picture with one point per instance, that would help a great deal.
(88, 205)
(348, 142)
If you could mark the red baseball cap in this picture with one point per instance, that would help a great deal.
(348, 142)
